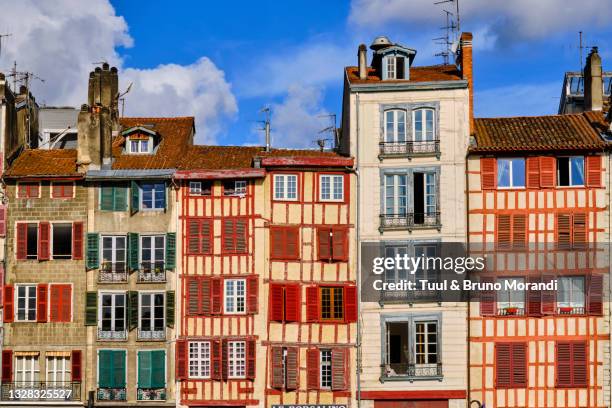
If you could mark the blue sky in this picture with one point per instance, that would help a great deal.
(224, 61)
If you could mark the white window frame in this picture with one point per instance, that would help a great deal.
(27, 298)
(199, 365)
(395, 137)
(569, 164)
(58, 366)
(29, 371)
(283, 181)
(325, 369)
(139, 142)
(153, 200)
(426, 342)
(503, 304)
(236, 359)
(424, 128)
(571, 302)
(113, 249)
(332, 187)
(153, 248)
(195, 187)
(113, 309)
(142, 294)
(391, 70)
(511, 161)
(240, 187)
(396, 196)
(234, 296)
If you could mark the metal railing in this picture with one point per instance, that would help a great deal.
(571, 310)
(151, 334)
(111, 334)
(151, 394)
(510, 311)
(41, 391)
(410, 148)
(409, 296)
(411, 371)
(152, 272)
(410, 221)
(111, 394)
(113, 272)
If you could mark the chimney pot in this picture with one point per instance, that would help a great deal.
(84, 107)
(465, 60)
(98, 69)
(362, 62)
(114, 70)
(593, 82)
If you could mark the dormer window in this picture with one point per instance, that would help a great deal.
(140, 146)
(395, 67)
(139, 140)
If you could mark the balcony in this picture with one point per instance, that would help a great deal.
(113, 272)
(409, 221)
(571, 310)
(41, 391)
(151, 394)
(112, 335)
(152, 272)
(409, 149)
(111, 394)
(511, 311)
(151, 334)
(410, 372)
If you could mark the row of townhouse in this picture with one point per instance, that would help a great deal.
(141, 269)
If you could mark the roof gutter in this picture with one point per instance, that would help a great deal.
(408, 86)
(219, 174)
(143, 174)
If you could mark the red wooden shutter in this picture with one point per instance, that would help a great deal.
(593, 171)
(205, 299)
(488, 170)
(1, 282)
(193, 236)
(251, 357)
(216, 289)
(350, 304)
(252, 293)
(241, 236)
(579, 229)
(563, 230)
(77, 240)
(549, 305)
(293, 368)
(181, 360)
(339, 244)
(276, 374)
(276, 302)
(193, 296)
(9, 311)
(293, 303)
(503, 230)
(2, 220)
(487, 299)
(324, 240)
(503, 364)
(55, 303)
(519, 365)
(224, 358)
(7, 366)
(41, 302)
(339, 380)
(75, 360)
(44, 235)
(292, 243)
(312, 369)
(547, 171)
(312, 303)
(519, 230)
(533, 172)
(579, 365)
(22, 240)
(216, 360)
(229, 241)
(534, 299)
(66, 296)
(206, 236)
(595, 294)
(276, 243)
(563, 362)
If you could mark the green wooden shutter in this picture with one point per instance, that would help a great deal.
(133, 243)
(158, 369)
(133, 309)
(170, 300)
(144, 369)
(93, 252)
(106, 198)
(118, 379)
(105, 368)
(91, 309)
(120, 198)
(135, 198)
(170, 250)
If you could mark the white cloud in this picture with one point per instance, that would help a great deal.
(59, 41)
(518, 100)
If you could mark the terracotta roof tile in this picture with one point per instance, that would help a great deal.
(38, 163)
(538, 133)
(431, 73)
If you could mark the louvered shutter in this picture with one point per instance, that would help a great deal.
(488, 173)
(593, 171)
(206, 236)
(228, 236)
(158, 370)
(77, 240)
(1, 280)
(563, 230)
(276, 302)
(579, 365)
(277, 244)
(205, 298)
(93, 250)
(193, 296)
(251, 358)
(339, 244)
(312, 303)
(503, 364)
(293, 303)
(76, 365)
(276, 374)
(120, 201)
(7, 366)
(547, 171)
(181, 360)
(324, 241)
(350, 304)
(487, 299)
(118, 369)
(145, 366)
(54, 309)
(41, 302)
(2, 220)
(241, 236)
(22, 241)
(252, 294)
(170, 308)
(533, 172)
(135, 198)
(224, 360)
(105, 368)
(216, 360)
(339, 380)
(132, 303)
(133, 250)
(66, 309)
(312, 369)
(549, 305)
(563, 362)
(503, 230)
(107, 198)
(170, 250)
(579, 230)
(519, 365)
(44, 239)
(193, 236)
(293, 368)
(595, 295)
(292, 243)
(216, 289)
(519, 230)
(534, 298)
(91, 309)
(8, 305)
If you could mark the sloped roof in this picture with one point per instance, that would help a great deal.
(431, 73)
(40, 163)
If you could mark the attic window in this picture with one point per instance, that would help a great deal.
(395, 67)
(140, 145)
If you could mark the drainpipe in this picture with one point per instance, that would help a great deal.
(358, 234)
(467, 243)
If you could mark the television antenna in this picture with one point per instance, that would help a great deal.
(451, 31)
(266, 125)
(1, 37)
(25, 77)
(331, 129)
(121, 97)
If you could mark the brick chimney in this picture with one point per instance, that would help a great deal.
(98, 119)
(362, 61)
(593, 85)
(465, 63)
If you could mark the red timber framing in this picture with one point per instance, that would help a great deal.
(544, 340)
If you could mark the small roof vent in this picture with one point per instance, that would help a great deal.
(380, 42)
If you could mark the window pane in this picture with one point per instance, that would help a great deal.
(503, 173)
(62, 241)
(401, 126)
(577, 171)
(518, 172)
(418, 125)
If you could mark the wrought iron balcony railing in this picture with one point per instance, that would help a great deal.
(151, 334)
(409, 372)
(511, 311)
(410, 148)
(152, 272)
(41, 391)
(151, 394)
(111, 394)
(111, 334)
(571, 310)
(113, 272)
(410, 221)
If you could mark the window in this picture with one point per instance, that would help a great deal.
(236, 359)
(200, 188)
(284, 243)
(424, 199)
(285, 187)
(511, 230)
(571, 364)
(571, 230)
(111, 370)
(112, 312)
(396, 195)
(426, 342)
(510, 365)
(332, 303)
(152, 251)
(26, 303)
(511, 173)
(235, 295)
(153, 196)
(199, 359)
(199, 236)
(391, 67)
(60, 299)
(32, 241)
(62, 190)
(332, 187)
(234, 235)
(27, 370)
(235, 188)
(284, 367)
(113, 253)
(395, 126)
(425, 203)
(570, 171)
(395, 274)
(571, 295)
(424, 127)
(394, 67)
(151, 373)
(152, 317)
(28, 190)
(62, 241)
(113, 197)
(510, 302)
(326, 369)
(58, 371)
(332, 243)
(397, 358)
(140, 146)
(285, 302)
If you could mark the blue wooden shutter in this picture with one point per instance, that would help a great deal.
(145, 366)
(158, 369)
(105, 367)
(118, 369)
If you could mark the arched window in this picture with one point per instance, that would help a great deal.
(395, 125)
(424, 124)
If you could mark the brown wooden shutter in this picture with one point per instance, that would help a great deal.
(216, 360)
(77, 240)
(488, 173)
(563, 230)
(193, 296)
(241, 236)
(595, 295)
(519, 365)
(487, 299)
(312, 303)
(293, 303)
(44, 239)
(519, 230)
(547, 171)
(593, 171)
(2, 219)
(41, 302)
(193, 236)
(252, 294)
(276, 374)
(549, 305)
(339, 244)
(503, 364)
(206, 301)
(216, 290)
(324, 241)
(293, 368)
(206, 236)
(7, 366)
(579, 365)
(9, 311)
(181, 360)
(563, 362)
(276, 243)
(251, 357)
(224, 360)
(339, 371)
(350, 304)
(75, 362)
(503, 230)
(22, 240)
(228, 236)
(533, 172)
(534, 298)
(292, 243)
(55, 300)
(312, 369)
(276, 302)
(579, 229)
